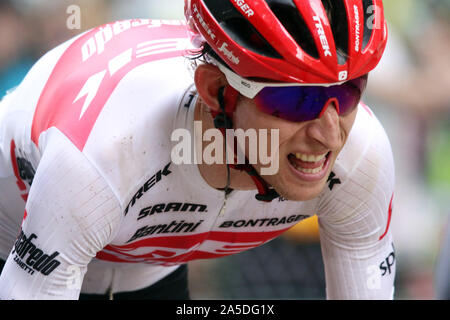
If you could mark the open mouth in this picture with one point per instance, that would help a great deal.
(309, 167)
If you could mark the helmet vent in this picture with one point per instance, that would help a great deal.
(239, 28)
(286, 11)
(337, 16)
(369, 21)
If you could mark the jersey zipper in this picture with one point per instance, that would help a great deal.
(224, 206)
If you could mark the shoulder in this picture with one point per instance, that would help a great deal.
(114, 92)
(367, 150)
(364, 170)
(92, 66)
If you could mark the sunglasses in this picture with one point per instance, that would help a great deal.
(299, 102)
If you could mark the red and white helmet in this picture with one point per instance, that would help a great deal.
(302, 41)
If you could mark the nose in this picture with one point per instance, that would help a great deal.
(326, 129)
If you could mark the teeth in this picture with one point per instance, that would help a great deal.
(310, 158)
(310, 171)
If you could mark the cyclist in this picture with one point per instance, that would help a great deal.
(93, 202)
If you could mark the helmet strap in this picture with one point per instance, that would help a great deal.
(227, 97)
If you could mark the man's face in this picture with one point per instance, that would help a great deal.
(323, 138)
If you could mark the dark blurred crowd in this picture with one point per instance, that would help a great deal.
(409, 92)
(30, 28)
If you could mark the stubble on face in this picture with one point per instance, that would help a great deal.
(309, 137)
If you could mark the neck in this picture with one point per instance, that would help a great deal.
(216, 175)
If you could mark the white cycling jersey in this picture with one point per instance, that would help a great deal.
(90, 200)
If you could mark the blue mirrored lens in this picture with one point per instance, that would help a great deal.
(304, 103)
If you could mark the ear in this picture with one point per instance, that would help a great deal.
(208, 80)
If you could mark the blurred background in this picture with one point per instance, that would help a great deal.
(410, 94)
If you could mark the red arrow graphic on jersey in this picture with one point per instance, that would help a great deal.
(176, 249)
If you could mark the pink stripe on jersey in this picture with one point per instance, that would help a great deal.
(389, 218)
(366, 108)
